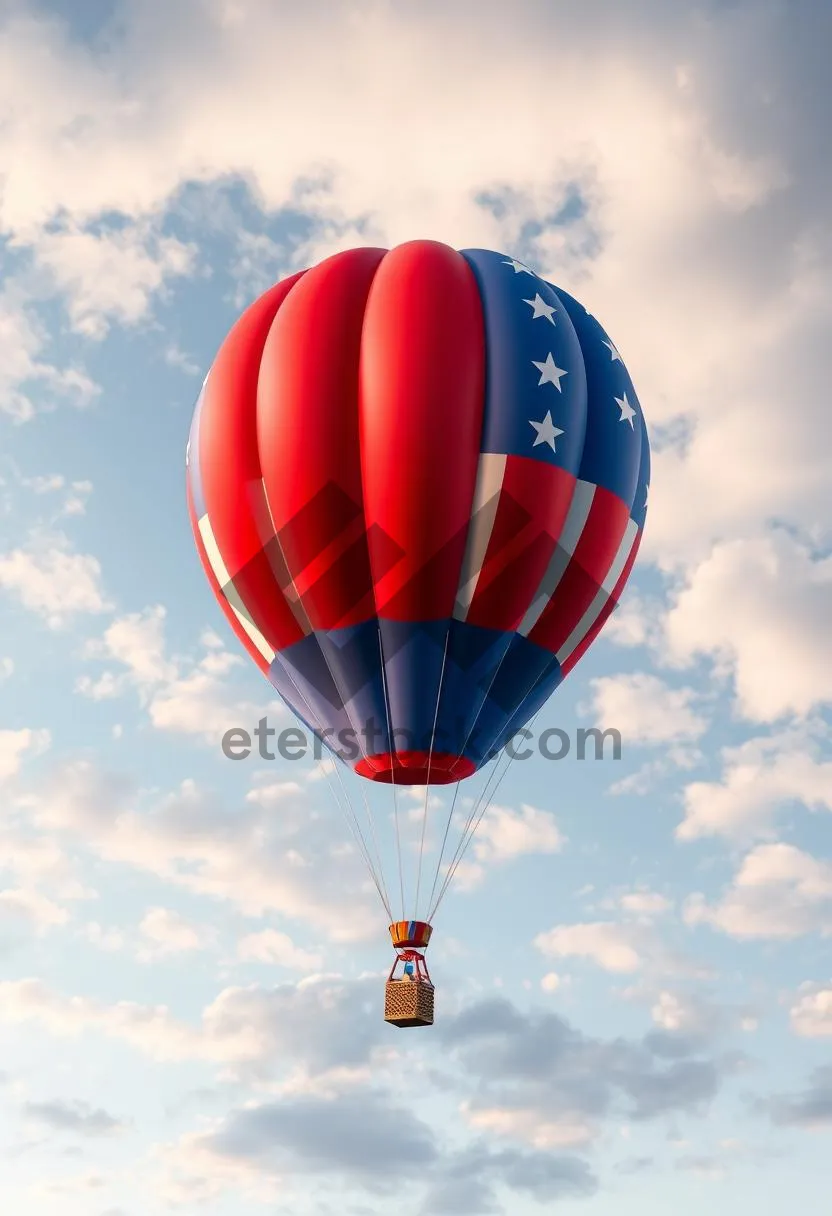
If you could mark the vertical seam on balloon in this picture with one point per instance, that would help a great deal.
(313, 634)
(471, 515)
(470, 541)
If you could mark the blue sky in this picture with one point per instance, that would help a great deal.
(634, 984)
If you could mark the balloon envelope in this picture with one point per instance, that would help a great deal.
(417, 480)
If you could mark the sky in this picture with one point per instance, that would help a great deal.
(632, 968)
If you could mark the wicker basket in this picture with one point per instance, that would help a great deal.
(408, 1003)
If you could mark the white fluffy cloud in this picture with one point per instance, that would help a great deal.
(183, 695)
(53, 581)
(759, 777)
(505, 834)
(645, 709)
(760, 607)
(15, 745)
(502, 835)
(277, 852)
(26, 372)
(272, 946)
(614, 947)
(32, 908)
(636, 942)
(110, 276)
(778, 893)
(296, 1025)
(137, 641)
(811, 1014)
(165, 932)
(645, 904)
(672, 1012)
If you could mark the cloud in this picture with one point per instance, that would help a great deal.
(37, 861)
(614, 947)
(44, 484)
(151, 1030)
(503, 835)
(137, 641)
(276, 852)
(533, 1078)
(811, 1108)
(166, 932)
(645, 903)
(17, 744)
(253, 1031)
(465, 1183)
(53, 581)
(622, 947)
(760, 607)
(687, 1019)
(110, 276)
(32, 908)
(759, 778)
(778, 893)
(811, 1014)
(76, 1117)
(359, 1134)
(182, 695)
(530, 1079)
(716, 1164)
(175, 357)
(76, 492)
(103, 939)
(25, 376)
(646, 710)
(199, 702)
(272, 946)
(685, 1013)
(363, 1136)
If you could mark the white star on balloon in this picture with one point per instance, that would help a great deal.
(550, 373)
(547, 432)
(540, 309)
(613, 352)
(518, 267)
(627, 411)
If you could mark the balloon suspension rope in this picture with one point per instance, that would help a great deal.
(392, 768)
(471, 730)
(472, 823)
(430, 762)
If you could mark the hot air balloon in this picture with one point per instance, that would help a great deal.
(417, 480)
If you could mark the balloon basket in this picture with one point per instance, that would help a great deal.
(408, 1003)
(408, 995)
